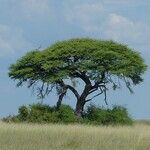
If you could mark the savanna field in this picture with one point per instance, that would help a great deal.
(74, 137)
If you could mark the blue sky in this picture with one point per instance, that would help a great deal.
(27, 24)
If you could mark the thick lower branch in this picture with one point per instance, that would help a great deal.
(61, 98)
(73, 90)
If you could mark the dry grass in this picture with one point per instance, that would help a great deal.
(73, 137)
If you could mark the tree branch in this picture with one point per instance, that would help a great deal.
(40, 89)
(70, 88)
(93, 90)
(128, 84)
(95, 96)
(73, 90)
(105, 93)
(104, 90)
(84, 77)
(61, 98)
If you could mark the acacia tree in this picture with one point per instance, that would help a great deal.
(99, 64)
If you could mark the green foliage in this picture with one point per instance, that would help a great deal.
(45, 113)
(42, 114)
(38, 113)
(66, 114)
(23, 113)
(117, 115)
(65, 59)
(97, 115)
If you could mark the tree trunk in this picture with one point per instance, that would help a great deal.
(80, 107)
(60, 99)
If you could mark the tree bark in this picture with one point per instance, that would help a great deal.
(61, 98)
(79, 107)
(82, 100)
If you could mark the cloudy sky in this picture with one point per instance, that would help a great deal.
(28, 24)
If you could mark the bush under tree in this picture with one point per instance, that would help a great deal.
(38, 113)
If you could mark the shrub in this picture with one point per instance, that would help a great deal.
(23, 113)
(66, 114)
(39, 113)
(120, 115)
(42, 108)
(96, 115)
(99, 115)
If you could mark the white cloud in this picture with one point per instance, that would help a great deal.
(124, 30)
(95, 19)
(117, 19)
(12, 40)
(83, 15)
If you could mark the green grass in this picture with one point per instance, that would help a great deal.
(73, 137)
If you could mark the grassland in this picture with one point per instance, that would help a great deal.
(73, 137)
